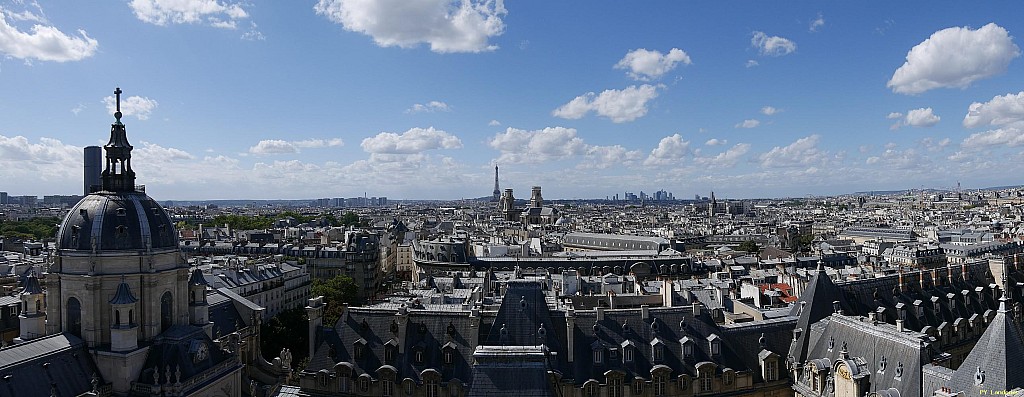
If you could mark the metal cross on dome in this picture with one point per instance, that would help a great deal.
(117, 101)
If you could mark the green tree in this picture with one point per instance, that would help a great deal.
(340, 289)
(286, 330)
(749, 246)
(42, 228)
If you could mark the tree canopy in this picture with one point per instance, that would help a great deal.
(42, 228)
(749, 246)
(340, 289)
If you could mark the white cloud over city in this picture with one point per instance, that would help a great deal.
(135, 106)
(955, 58)
(215, 13)
(447, 26)
(619, 106)
(42, 41)
(645, 65)
(774, 46)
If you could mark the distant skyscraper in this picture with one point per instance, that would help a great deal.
(93, 168)
(497, 191)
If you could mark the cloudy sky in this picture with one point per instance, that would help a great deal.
(420, 99)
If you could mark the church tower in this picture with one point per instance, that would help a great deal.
(118, 278)
(32, 319)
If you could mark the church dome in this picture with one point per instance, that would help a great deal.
(120, 216)
(117, 221)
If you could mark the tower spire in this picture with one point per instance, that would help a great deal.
(118, 175)
(497, 191)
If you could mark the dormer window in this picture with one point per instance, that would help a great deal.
(658, 352)
(687, 347)
(389, 351)
(716, 344)
(449, 353)
(357, 348)
(598, 357)
(419, 356)
(627, 354)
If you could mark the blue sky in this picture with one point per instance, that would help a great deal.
(419, 99)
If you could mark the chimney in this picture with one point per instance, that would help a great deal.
(899, 325)
(645, 312)
(600, 313)
(696, 309)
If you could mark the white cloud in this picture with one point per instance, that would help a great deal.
(645, 65)
(620, 106)
(749, 123)
(726, 159)
(1001, 110)
(549, 144)
(447, 25)
(923, 117)
(415, 140)
(494, 123)
(895, 159)
(140, 107)
(772, 45)
(671, 149)
(153, 153)
(274, 146)
(1010, 136)
(716, 142)
(955, 57)
(429, 107)
(280, 146)
(78, 109)
(769, 111)
(43, 42)
(817, 23)
(751, 63)
(253, 34)
(215, 13)
(802, 152)
(25, 164)
(603, 157)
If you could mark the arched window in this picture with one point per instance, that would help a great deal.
(117, 318)
(166, 311)
(39, 306)
(74, 317)
(131, 316)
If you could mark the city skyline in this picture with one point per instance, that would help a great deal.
(261, 100)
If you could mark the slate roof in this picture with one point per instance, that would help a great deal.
(426, 331)
(873, 343)
(58, 363)
(994, 362)
(498, 370)
(814, 304)
(668, 325)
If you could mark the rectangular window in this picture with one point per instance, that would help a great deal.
(627, 355)
(615, 387)
(598, 357)
(706, 382)
(387, 388)
(771, 370)
(659, 386)
(432, 388)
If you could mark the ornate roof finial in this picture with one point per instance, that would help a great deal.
(117, 102)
